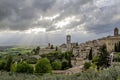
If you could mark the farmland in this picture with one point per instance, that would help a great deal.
(14, 50)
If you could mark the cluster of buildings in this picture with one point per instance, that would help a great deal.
(83, 49)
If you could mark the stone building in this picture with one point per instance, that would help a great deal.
(81, 51)
(109, 41)
(68, 46)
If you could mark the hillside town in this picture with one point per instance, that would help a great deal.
(82, 50)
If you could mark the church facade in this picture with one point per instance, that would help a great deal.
(110, 41)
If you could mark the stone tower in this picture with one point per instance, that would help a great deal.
(68, 39)
(116, 32)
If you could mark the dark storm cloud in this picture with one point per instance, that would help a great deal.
(43, 4)
(21, 14)
(96, 19)
(6, 8)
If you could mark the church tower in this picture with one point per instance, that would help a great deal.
(116, 32)
(68, 40)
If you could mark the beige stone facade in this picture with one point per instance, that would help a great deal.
(109, 41)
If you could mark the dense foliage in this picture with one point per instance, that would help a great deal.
(103, 60)
(36, 50)
(8, 62)
(31, 60)
(56, 65)
(43, 66)
(117, 47)
(2, 64)
(65, 57)
(112, 73)
(87, 65)
(23, 68)
(116, 57)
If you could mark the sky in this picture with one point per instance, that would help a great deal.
(39, 22)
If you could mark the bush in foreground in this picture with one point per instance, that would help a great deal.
(43, 66)
(56, 65)
(112, 73)
(87, 65)
(22, 68)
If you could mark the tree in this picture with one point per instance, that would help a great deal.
(43, 66)
(103, 61)
(56, 49)
(95, 60)
(87, 65)
(90, 56)
(8, 62)
(115, 47)
(52, 47)
(36, 50)
(2, 64)
(24, 68)
(77, 44)
(56, 65)
(119, 46)
(31, 60)
(64, 64)
(67, 56)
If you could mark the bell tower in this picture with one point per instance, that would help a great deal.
(116, 32)
(68, 40)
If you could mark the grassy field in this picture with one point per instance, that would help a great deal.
(16, 50)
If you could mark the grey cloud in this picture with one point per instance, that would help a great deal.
(20, 14)
(17, 15)
(43, 4)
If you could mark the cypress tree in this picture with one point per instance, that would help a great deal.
(115, 47)
(103, 60)
(119, 46)
(90, 55)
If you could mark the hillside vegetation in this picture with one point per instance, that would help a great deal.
(113, 73)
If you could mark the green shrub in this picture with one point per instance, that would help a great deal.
(31, 60)
(13, 67)
(8, 62)
(64, 64)
(2, 64)
(95, 60)
(112, 73)
(87, 65)
(23, 68)
(56, 65)
(43, 66)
